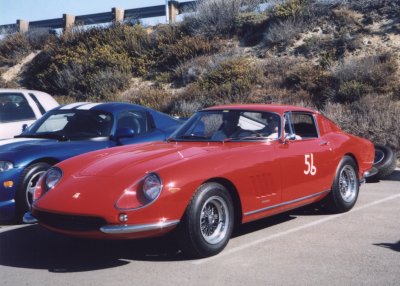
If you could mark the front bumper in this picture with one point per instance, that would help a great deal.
(121, 229)
(124, 229)
(7, 210)
(7, 194)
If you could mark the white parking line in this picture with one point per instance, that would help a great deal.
(292, 230)
(5, 228)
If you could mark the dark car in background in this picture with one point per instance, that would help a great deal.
(67, 131)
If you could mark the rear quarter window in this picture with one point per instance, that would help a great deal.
(304, 125)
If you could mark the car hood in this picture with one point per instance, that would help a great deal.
(102, 176)
(21, 149)
(122, 161)
(22, 144)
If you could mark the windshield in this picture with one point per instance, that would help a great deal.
(71, 124)
(225, 125)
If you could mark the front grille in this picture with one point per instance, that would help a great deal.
(70, 222)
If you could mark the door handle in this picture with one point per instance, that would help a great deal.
(324, 143)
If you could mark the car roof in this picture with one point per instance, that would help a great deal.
(108, 106)
(277, 108)
(17, 90)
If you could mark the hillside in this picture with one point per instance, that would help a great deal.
(341, 57)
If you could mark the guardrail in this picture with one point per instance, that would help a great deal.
(171, 9)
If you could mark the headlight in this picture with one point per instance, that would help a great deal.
(5, 166)
(53, 176)
(141, 193)
(152, 186)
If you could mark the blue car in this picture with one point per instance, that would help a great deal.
(68, 131)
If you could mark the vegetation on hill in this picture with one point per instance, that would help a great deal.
(339, 56)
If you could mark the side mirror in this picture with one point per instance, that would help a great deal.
(287, 138)
(24, 127)
(123, 133)
(290, 136)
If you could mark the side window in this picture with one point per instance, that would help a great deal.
(14, 107)
(136, 120)
(304, 125)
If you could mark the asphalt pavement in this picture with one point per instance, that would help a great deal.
(303, 247)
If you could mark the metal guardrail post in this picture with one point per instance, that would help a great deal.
(173, 11)
(69, 22)
(118, 14)
(22, 26)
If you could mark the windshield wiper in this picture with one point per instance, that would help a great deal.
(59, 137)
(193, 136)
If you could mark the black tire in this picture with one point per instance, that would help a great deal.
(345, 187)
(385, 161)
(29, 178)
(199, 234)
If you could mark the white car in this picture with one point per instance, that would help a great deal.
(19, 107)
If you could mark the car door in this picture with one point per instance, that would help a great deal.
(304, 158)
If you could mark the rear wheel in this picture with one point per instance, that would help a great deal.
(385, 162)
(208, 221)
(345, 188)
(29, 179)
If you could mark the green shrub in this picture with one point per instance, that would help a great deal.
(153, 97)
(284, 32)
(92, 64)
(251, 27)
(185, 49)
(370, 74)
(217, 17)
(350, 91)
(13, 48)
(374, 117)
(192, 70)
(291, 8)
(232, 78)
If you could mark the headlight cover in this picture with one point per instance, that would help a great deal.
(141, 193)
(5, 166)
(152, 186)
(53, 176)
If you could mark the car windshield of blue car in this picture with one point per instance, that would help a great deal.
(230, 125)
(71, 125)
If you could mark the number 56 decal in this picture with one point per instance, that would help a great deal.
(309, 161)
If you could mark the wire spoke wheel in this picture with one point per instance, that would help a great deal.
(214, 218)
(348, 184)
(208, 221)
(345, 187)
(30, 188)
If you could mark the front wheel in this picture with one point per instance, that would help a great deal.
(345, 188)
(208, 221)
(29, 179)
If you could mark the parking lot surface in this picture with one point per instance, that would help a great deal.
(302, 247)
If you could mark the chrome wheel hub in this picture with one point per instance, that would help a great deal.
(214, 219)
(348, 184)
(30, 188)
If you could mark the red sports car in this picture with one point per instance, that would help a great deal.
(225, 165)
